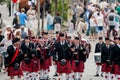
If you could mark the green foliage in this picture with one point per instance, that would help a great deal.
(59, 8)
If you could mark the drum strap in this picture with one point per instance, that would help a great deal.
(15, 56)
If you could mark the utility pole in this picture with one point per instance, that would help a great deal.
(43, 15)
(62, 9)
(38, 32)
(56, 3)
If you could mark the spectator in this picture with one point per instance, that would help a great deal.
(1, 21)
(49, 22)
(1, 36)
(100, 24)
(111, 21)
(22, 17)
(69, 14)
(93, 24)
(23, 33)
(117, 8)
(57, 22)
(31, 17)
(87, 17)
(71, 27)
(15, 21)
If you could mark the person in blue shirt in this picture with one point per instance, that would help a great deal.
(22, 17)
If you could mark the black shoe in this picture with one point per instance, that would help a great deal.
(101, 75)
(55, 75)
(96, 75)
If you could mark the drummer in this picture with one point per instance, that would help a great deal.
(98, 51)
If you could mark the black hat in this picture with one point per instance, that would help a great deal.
(45, 33)
(57, 32)
(15, 40)
(100, 38)
(69, 37)
(76, 38)
(40, 37)
(27, 37)
(33, 37)
(62, 35)
(118, 38)
(107, 38)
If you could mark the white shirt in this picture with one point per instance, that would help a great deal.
(6, 43)
(92, 22)
(100, 21)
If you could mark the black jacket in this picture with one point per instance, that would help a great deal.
(10, 53)
(63, 51)
(80, 53)
(116, 55)
(27, 50)
(106, 53)
(98, 47)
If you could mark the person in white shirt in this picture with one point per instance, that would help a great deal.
(100, 24)
(6, 42)
(31, 17)
(92, 28)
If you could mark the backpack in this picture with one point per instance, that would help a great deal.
(111, 18)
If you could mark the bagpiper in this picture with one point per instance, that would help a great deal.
(116, 59)
(64, 56)
(13, 60)
(78, 58)
(106, 52)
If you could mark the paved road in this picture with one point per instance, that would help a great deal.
(89, 65)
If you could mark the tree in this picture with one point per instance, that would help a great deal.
(59, 8)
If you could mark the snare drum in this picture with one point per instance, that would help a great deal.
(97, 57)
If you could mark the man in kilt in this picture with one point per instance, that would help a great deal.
(13, 60)
(64, 56)
(106, 52)
(98, 50)
(116, 59)
(78, 58)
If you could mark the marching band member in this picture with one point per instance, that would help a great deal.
(27, 46)
(26, 66)
(116, 59)
(64, 56)
(106, 52)
(79, 58)
(98, 50)
(47, 47)
(36, 65)
(12, 61)
(57, 39)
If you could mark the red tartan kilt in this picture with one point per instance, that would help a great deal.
(26, 67)
(44, 65)
(73, 65)
(12, 72)
(117, 69)
(80, 67)
(36, 66)
(50, 63)
(106, 68)
(64, 69)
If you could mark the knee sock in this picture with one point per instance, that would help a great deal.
(97, 69)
